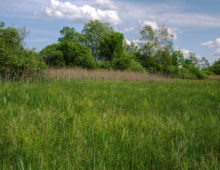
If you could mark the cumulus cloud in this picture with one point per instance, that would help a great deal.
(104, 4)
(127, 41)
(129, 29)
(213, 44)
(186, 52)
(81, 14)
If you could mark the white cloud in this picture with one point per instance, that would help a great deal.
(80, 14)
(209, 44)
(104, 4)
(129, 29)
(186, 52)
(127, 41)
(215, 45)
(153, 24)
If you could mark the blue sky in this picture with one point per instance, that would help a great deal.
(195, 23)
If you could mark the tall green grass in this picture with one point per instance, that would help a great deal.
(110, 125)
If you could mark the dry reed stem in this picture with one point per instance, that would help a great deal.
(83, 74)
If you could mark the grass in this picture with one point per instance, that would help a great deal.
(75, 124)
(83, 74)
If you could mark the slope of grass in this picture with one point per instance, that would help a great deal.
(110, 125)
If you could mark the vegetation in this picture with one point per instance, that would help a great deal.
(154, 53)
(15, 60)
(215, 68)
(61, 122)
(100, 46)
(109, 125)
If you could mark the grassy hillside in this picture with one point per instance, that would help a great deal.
(110, 125)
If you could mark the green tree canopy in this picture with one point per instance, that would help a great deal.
(94, 32)
(15, 60)
(76, 54)
(112, 46)
(70, 34)
(215, 68)
(53, 56)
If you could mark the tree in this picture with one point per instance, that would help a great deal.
(153, 40)
(204, 63)
(192, 60)
(156, 46)
(178, 58)
(148, 42)
(164, 58)
(131, 49)
(215, 68)
(76, 54)
(112, 46)
(127, 63)
(94, 32)
(15, 60)
(70, 34)
(165, 40)
(53, 56)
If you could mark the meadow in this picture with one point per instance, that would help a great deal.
(108, 124)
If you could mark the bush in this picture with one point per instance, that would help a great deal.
(76, 54)
(208, 73)
(197, 72)
(15, 61)
(104, 65)
(191, 72)
(16, 66)
(53, 56)
(215, 68)
(185, 74)
(127, 63)
(172, 71)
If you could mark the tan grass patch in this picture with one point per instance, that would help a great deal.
(83, 74)
(217, 77)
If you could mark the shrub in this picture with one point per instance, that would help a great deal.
(16, 66)
(76, 54)
(185, 74)
(127, 63)
(215, 68)
(172, 71)
(53, 56)
(191, 72)
(208, 73)
(197, 72)
(104, 65)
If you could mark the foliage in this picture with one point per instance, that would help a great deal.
(204, 63)
(131, 49)
(178, 58)
(199, 74)
(94, 32)
(127, 63)
(100, 46)
(111, 47)
(215, 68)
(53, 56)
(15, 61)
(69, 34)
(76, 54)
(192, 60)
(104, 65)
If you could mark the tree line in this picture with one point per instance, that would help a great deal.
(99, 46)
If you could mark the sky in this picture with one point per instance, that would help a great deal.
(195, 24)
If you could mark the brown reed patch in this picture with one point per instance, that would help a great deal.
(217, 77)
(83, 74)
